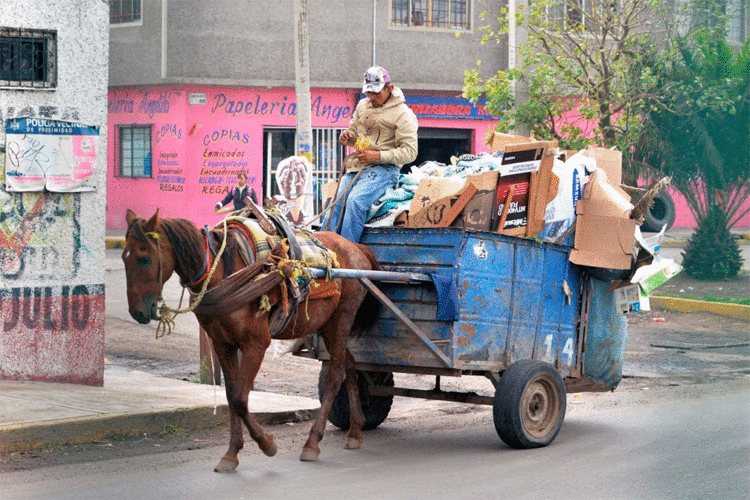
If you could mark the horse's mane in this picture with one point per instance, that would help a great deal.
(185, 238)
(187, 242)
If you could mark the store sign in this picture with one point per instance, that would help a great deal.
(447, 107)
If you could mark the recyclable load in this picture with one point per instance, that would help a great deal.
(532, 189)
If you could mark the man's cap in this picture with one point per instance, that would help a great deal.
(375, 79)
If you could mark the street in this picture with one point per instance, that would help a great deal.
(669, 442)
(678, 426)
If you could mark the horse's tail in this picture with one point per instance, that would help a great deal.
(370, 307)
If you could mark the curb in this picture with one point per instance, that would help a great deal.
(736, 311)
(114, 242)
(26, 437)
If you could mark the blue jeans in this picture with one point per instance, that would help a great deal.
(370, 186)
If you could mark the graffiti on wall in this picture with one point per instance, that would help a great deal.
(39, 235)
(54, 308)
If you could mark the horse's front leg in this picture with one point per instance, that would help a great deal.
(356, 416)
(239, 379)
(227, 356)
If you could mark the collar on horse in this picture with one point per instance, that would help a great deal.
(203, 273)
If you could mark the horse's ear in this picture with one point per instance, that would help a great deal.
(152, 226)
(130, 217)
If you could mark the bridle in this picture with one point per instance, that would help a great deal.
(164, 314)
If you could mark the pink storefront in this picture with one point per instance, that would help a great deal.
(179, 149)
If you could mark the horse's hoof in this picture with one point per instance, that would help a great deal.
(309, 455)
(271, 449)
(352, 443)
(226, 465)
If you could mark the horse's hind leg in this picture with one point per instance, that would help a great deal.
(356, 417)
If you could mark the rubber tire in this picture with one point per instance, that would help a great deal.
(529, 378)
(375, 408)
(661, 212)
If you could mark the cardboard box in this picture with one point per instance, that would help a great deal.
(628, 299)
(475, 215)
(500, 141)
(604, 230)
(526, 165)
(433, 189)
(609, 160)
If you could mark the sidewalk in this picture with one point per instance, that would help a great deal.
(35, 415)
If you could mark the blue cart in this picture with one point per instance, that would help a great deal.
(510, 309)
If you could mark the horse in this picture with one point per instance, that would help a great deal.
(156, 248)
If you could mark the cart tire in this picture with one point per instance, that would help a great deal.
(375, 408)
(529, 405)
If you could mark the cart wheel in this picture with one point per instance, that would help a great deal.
(375, 408)
(529, 405)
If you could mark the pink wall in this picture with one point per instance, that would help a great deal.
(199, 148)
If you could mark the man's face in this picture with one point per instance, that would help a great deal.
(379, 98)
(241, 181)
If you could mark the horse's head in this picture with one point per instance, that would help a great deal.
(148, 264)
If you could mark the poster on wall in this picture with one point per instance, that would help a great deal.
(49, 154)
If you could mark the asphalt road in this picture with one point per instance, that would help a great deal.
(691, 444)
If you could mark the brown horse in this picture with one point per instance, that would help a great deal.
(156, 248)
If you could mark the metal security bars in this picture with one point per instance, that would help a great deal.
(450, 14)
(28, 58)
(124, 11)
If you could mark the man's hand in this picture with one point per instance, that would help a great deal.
(346, 137)
(368, 156)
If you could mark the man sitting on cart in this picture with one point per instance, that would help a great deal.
(384, 130)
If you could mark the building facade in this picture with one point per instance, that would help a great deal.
(198, 95)
(53, 125)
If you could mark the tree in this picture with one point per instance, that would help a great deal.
(700, 137)
(584, 65)
(698, 133)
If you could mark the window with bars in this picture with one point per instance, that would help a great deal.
(28, 58)
(124, 11)
(135, 150)
(450, 14)
(571, 13)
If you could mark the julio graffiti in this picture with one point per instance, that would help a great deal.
(39, 235)
(48, 308)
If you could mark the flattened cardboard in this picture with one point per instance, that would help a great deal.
(518, 210)
(433, 189)
(500, 141)
(609, 160)
(604, 230)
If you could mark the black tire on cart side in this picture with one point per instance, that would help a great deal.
(529, 404)
(375, 408)
(662, 212)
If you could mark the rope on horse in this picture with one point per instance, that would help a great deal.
(165, 314)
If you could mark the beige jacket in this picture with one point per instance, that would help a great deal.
(390, 129)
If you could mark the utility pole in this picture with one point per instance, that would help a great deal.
(302, 81)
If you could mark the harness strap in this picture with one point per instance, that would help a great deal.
(203, 273)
